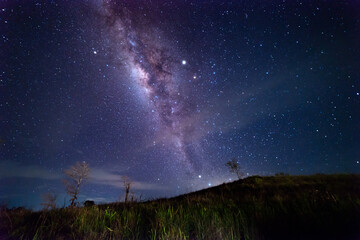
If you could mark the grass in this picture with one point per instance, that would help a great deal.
(283, 207)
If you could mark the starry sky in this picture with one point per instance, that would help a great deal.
(166, 92)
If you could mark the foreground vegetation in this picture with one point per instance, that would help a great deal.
(282, 207)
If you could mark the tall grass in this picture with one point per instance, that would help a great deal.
(323, 207)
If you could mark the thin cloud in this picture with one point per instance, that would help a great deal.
(106, 177)
(10, 169)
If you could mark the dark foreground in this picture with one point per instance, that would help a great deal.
(284, 207)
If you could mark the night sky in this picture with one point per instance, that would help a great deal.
(166, 92)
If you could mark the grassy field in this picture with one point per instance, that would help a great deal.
(282, 207)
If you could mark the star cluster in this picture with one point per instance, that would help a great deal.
(166, 92)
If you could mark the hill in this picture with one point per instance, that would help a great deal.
(282, 207)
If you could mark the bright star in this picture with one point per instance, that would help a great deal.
(183, 62)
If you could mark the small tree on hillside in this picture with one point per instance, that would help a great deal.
(234, 167)
(49, 201)
(76, 175)
(127, 185)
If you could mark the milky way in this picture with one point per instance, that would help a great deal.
(152, 67)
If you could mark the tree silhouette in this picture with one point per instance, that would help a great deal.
(127, 185)
(76, 175)
(49, 200)
(234, 167)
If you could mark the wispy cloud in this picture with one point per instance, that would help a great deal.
(97, 176)
(16, 169)
(110, 178)
(98, 199)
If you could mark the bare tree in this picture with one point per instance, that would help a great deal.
(76, 175)
(49, 200)
(234, 167)
(127, 184)
(133, 197)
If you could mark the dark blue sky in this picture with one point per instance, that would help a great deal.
(166, 92)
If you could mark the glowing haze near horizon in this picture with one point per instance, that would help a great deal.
(166, 92)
